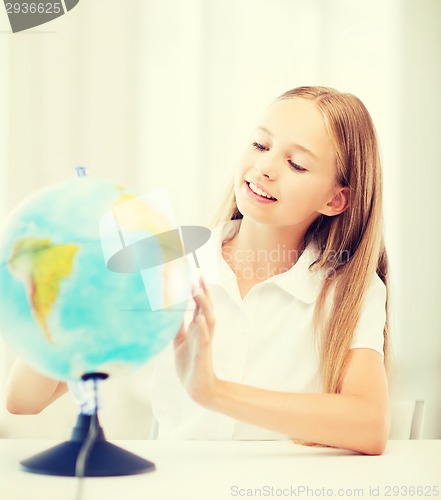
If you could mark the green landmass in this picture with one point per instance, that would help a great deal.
(42, 265)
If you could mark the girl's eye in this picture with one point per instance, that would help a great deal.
(296, 167)
(259, 147)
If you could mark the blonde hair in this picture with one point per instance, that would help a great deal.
(351, 244)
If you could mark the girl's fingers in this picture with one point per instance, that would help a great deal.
(203, 312)
(201, 287)
(196, 311)
(205, 289)
(205, 307)
(180, 336)
(204, 337)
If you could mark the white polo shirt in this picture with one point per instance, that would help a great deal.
(264, 340)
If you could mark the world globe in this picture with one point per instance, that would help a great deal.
(87, 283)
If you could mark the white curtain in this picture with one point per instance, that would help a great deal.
(74, 96)
(163, 94)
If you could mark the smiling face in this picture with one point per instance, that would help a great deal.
(287, 175)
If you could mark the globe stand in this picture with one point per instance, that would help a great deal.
(101, 458)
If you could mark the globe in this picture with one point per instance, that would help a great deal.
(81, 291)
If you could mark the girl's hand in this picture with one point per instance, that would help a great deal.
(193, 355)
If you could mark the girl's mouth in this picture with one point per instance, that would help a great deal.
(257, 194)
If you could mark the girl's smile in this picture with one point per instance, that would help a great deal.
(259, 193)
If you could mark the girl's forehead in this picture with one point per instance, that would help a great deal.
(296, 110)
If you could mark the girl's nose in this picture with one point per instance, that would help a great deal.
(266, 168)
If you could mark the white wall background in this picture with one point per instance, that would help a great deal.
(163, 94)
(418, 311)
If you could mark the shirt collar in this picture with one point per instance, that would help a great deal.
(300, 281)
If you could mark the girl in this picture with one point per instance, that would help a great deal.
(291, 341)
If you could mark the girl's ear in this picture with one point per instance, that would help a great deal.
(338, 204)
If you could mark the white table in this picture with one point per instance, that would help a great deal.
(220, 470)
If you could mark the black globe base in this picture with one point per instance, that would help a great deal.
(104, 458)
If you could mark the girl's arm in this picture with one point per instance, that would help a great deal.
(355, 419)
(28, 392)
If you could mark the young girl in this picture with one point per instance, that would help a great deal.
(291, 341)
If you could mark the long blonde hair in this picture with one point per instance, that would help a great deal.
(351, 244)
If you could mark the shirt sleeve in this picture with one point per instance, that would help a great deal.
(369, 332)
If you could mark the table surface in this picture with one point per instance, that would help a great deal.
(219, 470)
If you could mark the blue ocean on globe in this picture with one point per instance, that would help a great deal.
(61, 308)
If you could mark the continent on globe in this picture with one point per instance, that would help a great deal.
(42, 265)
